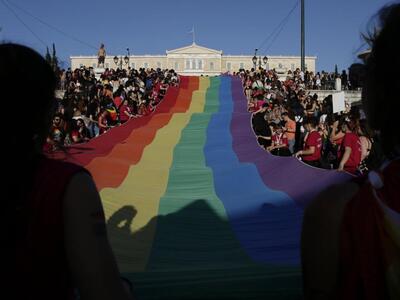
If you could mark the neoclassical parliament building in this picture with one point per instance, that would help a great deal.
(197, 60)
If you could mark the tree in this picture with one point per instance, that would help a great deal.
(48, 57)
(54, 59)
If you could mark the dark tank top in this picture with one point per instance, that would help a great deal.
(41, 264)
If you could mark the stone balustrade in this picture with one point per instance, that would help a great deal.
(352, 97)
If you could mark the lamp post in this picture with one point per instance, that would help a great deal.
(261, 61)
(126, 58)
(254, 59)
(119, 61)
(265, 61)
(303, 39)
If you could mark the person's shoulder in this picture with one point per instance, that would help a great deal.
(350, 137)
(314, 135)
(81, 181)
(330, 202)
(363, 139)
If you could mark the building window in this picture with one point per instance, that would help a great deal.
(176, 66)
(145, 65)
(200, 64)
(187, 64)
(194, 64)
(211, 66)
(280, 66)
(158, 65)
(292, 67)
(241, 65)
(228, 66)
(133, 65)
(107, 65)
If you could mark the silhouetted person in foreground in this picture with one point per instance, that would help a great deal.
(350, 239)
(59, 232)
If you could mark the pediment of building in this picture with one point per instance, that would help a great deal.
(194, 49)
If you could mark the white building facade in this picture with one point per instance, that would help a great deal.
(197, 60)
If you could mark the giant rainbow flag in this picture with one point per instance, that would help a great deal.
(194, 207)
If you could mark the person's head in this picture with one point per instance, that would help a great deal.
(37, 96)
(349, 123)
(277, 128)
(310, 123)
(104, 113)
(285, 116)
(381, 98)
(57, 120)
(80, 123)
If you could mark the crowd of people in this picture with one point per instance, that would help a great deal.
(289, 120)
(322, 80)
(286, 118)
(91, 106)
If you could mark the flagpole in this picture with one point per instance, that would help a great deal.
(194, 36)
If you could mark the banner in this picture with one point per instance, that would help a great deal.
(194, 207)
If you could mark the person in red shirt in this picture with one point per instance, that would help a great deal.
(311, 153)
(125, 112)
(280, 143)
(350, 148)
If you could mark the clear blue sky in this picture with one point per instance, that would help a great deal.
(150, 27)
